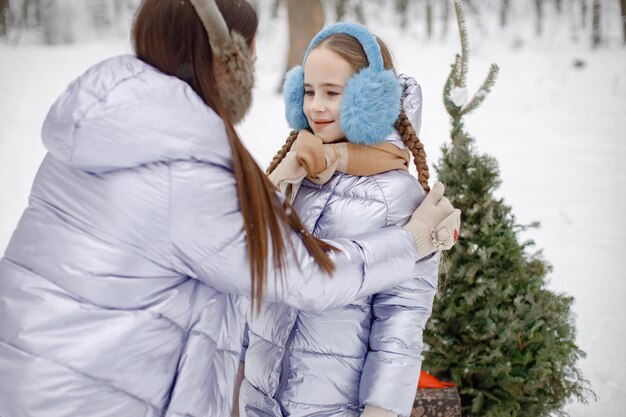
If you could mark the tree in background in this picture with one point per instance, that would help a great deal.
(445, 17)
(4, 14)
(64, 21)
(596, 31)
(341, 8)
(505, 6)
(429, 18)
(346, 10)
(402, 9)
(539, 17)
(496, 330)
(622, 4)
(306, 18)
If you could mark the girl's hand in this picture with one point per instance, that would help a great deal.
(435, 224)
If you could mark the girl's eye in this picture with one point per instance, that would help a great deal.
(308, 93)
(333, 93)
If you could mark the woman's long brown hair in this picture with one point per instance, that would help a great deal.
(351, 50)
(169, 35)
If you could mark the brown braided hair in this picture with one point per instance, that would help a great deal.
(283, 151)
(412, 142)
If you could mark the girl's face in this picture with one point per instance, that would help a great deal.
(325, 77)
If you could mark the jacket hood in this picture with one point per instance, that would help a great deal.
(124, 113)
(412, 105)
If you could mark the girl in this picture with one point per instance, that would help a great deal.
(123, 289)
(364, 358)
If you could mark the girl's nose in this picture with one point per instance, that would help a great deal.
(317, 104)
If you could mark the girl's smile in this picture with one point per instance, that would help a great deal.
(320, 124)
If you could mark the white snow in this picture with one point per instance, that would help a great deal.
(556, 130)
(459, 96)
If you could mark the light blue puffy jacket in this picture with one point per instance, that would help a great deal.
(122, 290)
(333, 363)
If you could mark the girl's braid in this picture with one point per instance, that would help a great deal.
(283, 151)
(412, 142)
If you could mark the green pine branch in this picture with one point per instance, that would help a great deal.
(462, 69)
(483, 91)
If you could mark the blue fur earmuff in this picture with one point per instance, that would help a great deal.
(371, 99)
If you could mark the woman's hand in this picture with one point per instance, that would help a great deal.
(435, 224)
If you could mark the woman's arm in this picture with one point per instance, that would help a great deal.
(208, 243)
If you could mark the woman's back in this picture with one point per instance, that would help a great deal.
(98, 302)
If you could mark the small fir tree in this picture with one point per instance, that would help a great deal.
(496, 330)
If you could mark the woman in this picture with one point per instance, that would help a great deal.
(123, 289)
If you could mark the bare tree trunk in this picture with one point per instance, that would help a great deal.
(306, 18)
(118, 9)
(341, 7)
(596, 33)
(445, 18)
(26, 12)
(622, 4)
(572, 14)
(275, 8)
(583, 13)
(559, 5)
(358, 12)
(56, 20)
(429, 18)
(539, 15)
(505, 6)
(4, 13)
(40, 11)
(402, 8)
(101, 12)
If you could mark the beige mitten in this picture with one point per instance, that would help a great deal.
(435, 224)
(371, 411)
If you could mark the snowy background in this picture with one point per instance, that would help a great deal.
(556, 128)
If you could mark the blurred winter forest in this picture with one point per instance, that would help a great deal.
(70, 21)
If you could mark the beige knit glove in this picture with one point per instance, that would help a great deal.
(371, 411)
(435, 224)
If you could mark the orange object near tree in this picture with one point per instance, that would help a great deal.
(429, 381)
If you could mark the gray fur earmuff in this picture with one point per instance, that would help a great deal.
(233, 65)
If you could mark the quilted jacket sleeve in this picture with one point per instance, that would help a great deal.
(392, 366)
(208, 243)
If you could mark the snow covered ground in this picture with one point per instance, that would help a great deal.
(557, 131)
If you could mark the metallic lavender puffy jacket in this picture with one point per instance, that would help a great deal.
(333, 363)
(123, 289)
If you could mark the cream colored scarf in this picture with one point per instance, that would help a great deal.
(311, 158)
